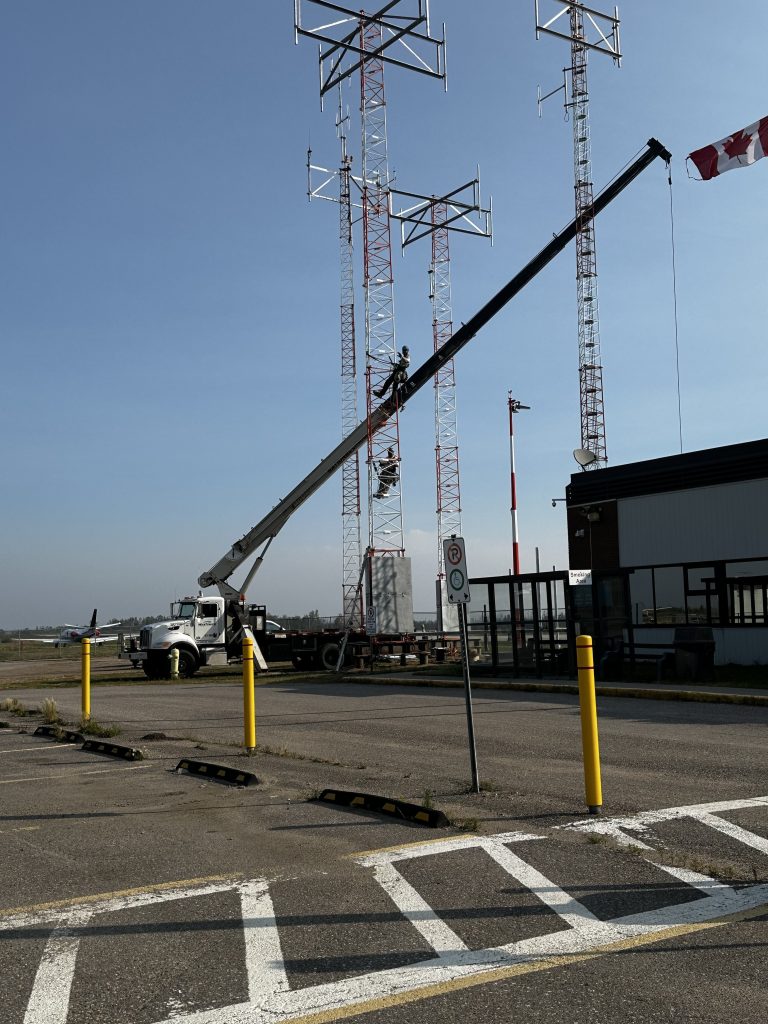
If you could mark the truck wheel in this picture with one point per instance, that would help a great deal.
(329, 656)
(187, 664)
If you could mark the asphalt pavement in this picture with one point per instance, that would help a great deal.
(135, 893)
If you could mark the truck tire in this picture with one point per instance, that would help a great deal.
(188, 663)
(329, 655)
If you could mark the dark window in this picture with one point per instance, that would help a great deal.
(669, 595)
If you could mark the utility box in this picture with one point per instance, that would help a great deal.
(390, 592)
(447, 613)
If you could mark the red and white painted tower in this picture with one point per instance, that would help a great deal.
(458, 211)
(514, 407)
(362, 42)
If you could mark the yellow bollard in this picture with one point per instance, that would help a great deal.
(174, 656)
(589, 741)
(249, 697)
(85, 677)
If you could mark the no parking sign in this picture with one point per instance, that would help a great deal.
(456, 574)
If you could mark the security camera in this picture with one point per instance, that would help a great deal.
(554, 503)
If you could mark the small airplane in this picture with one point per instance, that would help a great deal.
(74, 634)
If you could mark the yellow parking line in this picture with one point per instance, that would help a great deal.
(406, 846)
(182, 883)
(503, 973)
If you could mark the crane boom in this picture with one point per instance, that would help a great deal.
(267, 529)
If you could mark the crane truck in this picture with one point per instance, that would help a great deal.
(209, 630)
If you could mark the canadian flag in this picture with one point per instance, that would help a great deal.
(738, 150)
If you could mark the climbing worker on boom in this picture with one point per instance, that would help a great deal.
(388, 475)
(399, 374)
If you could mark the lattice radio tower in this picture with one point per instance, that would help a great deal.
(586, 29)
(362, 42)
(336, 186)
(436, 217)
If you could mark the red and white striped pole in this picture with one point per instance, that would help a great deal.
(514, 406)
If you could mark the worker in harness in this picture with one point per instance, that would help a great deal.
(388, 475)
(399, 374)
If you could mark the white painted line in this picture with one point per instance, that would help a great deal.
(49, 1002)
(263, 954)
(551, 895)
(62, 775)
(709, 886)
(411, 905)
(27, 919)
(741, 835)
(640, 822)
(19, 828)
(40, 746)
(435, 846)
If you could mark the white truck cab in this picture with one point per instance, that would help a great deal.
(200, 628)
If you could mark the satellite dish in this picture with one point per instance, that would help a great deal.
(584, 456)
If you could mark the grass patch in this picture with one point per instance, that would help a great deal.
(15, 707)
(49, 709)
(88, 727)
(465, 824)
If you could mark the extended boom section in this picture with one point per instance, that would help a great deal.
(268, 528)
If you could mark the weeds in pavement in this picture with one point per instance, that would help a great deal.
(465, 824)
(88, 727)
(49, 709)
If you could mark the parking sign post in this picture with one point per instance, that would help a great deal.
(457, 579)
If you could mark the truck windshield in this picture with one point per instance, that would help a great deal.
(184, 610)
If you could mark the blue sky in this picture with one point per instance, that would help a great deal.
(170, 299)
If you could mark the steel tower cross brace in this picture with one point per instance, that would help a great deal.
(438, 217)
(603, 37)
(366, 47)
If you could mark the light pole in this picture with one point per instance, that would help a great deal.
(514, 407)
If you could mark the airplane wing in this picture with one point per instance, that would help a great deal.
(103, 639)
(108, 625)
(44, 640)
